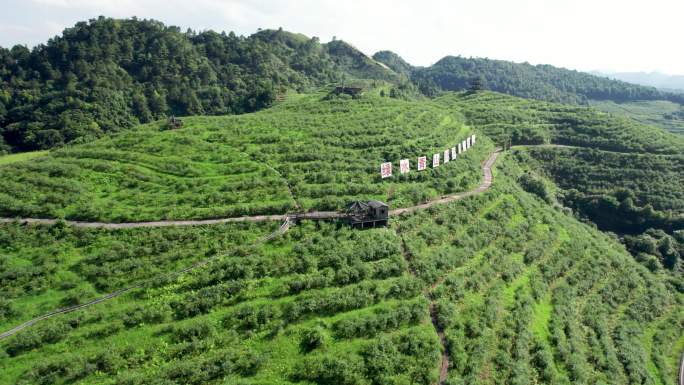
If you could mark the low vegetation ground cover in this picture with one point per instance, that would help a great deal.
(18, 157)
(524, 292)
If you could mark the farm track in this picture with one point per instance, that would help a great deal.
(314, 215)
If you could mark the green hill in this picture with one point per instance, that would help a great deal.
(327, 150)
(106, 75)
(568, 270)
(523, 292)
(524, 121)
(622, 175)
(543, 82)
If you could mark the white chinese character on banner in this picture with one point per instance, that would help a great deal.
(446, 156)
(386, 170)
(453, 153)
(435, 160)
(422, 163)
(404, 166)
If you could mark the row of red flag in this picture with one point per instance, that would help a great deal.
(449, 154)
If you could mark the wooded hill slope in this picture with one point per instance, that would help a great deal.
(107, 75)
(110, 74)
(543, 82)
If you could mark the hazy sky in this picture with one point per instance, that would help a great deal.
(617, 35)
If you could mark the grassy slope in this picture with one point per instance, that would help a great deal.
(647, 112)
(23, 156)
(524, 292)
(328, 151)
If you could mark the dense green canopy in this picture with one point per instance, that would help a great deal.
(106, 74)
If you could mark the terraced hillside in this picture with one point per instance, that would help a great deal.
(524, 121)
(522, 292)
(504, 286)
(623, 176)
(660, 113)
(306, 153)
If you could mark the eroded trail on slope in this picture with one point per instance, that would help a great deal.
(314, 215)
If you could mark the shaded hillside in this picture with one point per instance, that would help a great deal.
(543, 82)
(106, 75)
(638, 196)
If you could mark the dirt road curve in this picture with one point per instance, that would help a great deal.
(484, 186)
(486, 183)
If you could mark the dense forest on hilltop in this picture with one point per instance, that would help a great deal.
(107, 74)
(543, 82)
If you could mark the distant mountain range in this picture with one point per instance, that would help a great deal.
(653, 79)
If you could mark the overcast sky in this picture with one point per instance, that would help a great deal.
(609, 35)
